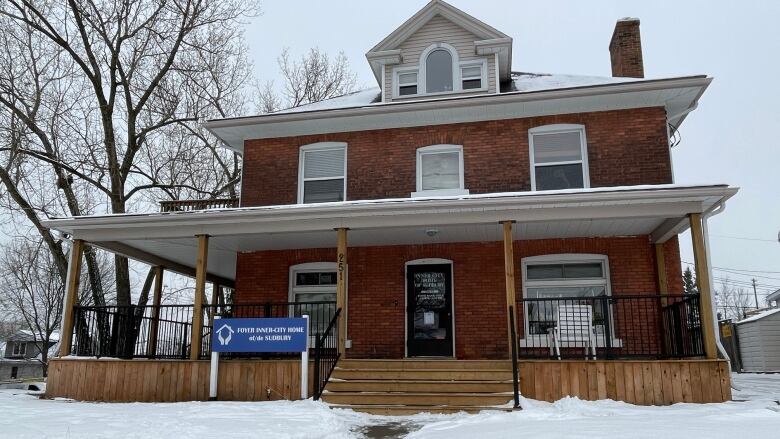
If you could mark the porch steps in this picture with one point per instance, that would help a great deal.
(399, 387)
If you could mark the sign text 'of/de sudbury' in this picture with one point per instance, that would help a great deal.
(271, 334)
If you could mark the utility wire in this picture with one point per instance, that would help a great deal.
(743, 238)
(737, 269)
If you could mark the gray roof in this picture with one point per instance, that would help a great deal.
(521, 82)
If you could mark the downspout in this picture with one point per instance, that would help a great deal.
(719, 208)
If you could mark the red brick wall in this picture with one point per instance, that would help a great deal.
(377, 285)
(626, 147)
(674, 282)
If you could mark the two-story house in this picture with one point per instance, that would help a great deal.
(457, 216)
(21, 356)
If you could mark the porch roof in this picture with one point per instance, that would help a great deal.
(168, 239)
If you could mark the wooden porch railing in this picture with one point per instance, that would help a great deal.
(190, 205)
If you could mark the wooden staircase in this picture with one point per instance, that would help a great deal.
(402, 387)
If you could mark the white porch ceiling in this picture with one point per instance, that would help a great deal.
(223, 249)
(169, 239)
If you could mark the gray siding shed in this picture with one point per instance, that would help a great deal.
(759, 342)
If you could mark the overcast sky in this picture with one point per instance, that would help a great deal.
(731, 138)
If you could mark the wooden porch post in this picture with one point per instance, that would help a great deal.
(341, 288)
(196, 339)
(660, 271)
(703, 282)
(151, 350)
(509, 277)
(71, 296)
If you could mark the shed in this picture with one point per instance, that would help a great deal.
(759, 341)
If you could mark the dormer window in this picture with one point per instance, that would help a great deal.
(407, 83)
(471, 76)
(438, 71)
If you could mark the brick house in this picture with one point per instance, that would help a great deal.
(420, 220)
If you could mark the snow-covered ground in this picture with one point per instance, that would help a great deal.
(24, 415)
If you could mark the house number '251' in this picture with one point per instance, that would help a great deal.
(342, 266)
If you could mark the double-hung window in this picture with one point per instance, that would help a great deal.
(323, 172)
(440, 171)
(559, 157)
(471, 76)
(407, 83)
(551, 280)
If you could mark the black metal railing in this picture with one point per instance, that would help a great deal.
(191, 205)
(326, 354)
(611, 327)
(165, 332)
(132, 331)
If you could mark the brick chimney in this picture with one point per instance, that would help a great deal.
(625, 49)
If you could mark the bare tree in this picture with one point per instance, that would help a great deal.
(102, 103)
(32, 290)
(312, 78)
(733, 302)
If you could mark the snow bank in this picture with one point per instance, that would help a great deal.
(573, 418)
(25, 416)
(35, 418)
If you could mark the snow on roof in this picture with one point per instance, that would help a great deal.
(521, 82)
(759, 316)
(527, 82)
(27, 335)
(358, 98)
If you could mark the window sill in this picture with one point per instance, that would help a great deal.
(440, 193)
(441, 93)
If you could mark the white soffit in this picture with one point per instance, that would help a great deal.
(676, 95)
(223, 249)
(169, 238)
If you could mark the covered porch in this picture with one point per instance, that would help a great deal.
(489, 242)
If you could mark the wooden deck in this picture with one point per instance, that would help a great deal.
(172, 380)
(636, 382)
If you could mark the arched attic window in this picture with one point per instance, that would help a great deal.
(438, 71)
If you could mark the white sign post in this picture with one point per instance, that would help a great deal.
(214, 368)
(260, 335)
(305, 363)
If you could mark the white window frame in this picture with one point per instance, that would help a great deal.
(310, 267)
(319, 146)
(440, 149)
(397, 83)
(542, 340)
(556, 129)
(19, 349)
(457, 81)
(483, 65)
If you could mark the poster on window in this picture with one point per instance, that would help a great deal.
(430, 300)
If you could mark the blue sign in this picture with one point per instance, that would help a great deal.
(259, 335)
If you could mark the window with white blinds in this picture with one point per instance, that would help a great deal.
(559, 157)
(440, 170)
(323, 171)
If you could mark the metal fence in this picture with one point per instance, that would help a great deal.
(326, 354)
(610, 327)
(165, 332)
